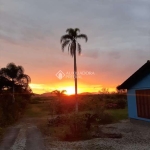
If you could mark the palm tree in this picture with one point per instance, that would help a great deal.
(70, 40)
(59, 94)
(56, 102)
(14, 75)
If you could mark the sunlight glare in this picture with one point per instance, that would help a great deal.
(70, 90)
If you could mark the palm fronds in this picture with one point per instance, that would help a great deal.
(70, 39)
(65, 37)
(79, 48)
(64, 44)
(84, 36)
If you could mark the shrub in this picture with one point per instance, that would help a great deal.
(115, 103)
(1, 132)
(111, 106)
(77, 128)
(35, 100)
(121, 103)
(105, 118)
(74, 127)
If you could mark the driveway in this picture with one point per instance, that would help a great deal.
(23, 136)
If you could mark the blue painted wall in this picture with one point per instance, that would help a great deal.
(131, 97)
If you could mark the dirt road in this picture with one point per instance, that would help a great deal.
(23, 136)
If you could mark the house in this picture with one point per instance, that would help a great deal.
(138, 93)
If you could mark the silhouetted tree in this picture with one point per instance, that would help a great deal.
(70, 40)
(14, 87)
(13, 77)
(56, 103)
(4, 83)
(59, 94)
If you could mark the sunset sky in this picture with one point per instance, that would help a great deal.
(118, 33)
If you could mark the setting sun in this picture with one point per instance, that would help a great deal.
(70, 90)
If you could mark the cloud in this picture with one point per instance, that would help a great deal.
(118, 33)
(114, 54)
(93, 53)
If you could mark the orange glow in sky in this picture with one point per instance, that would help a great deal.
(43, 88)
(86, 83)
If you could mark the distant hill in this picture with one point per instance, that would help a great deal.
(47, 94)
(36, 95)
(43, 94)
(88, 93)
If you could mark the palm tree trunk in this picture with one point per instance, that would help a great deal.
(13, 91)
(13, 94)
(75, 78)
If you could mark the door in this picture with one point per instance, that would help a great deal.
(143, 103)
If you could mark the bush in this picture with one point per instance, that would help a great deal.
(121, 103)
(58, 121)
(115, 103)
(105, 118)
(35, 100)
(1, 132)
(77, 128)
(73, 128)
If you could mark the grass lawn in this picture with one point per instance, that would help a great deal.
(37, 110)
(118, 114)
(43, 110)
